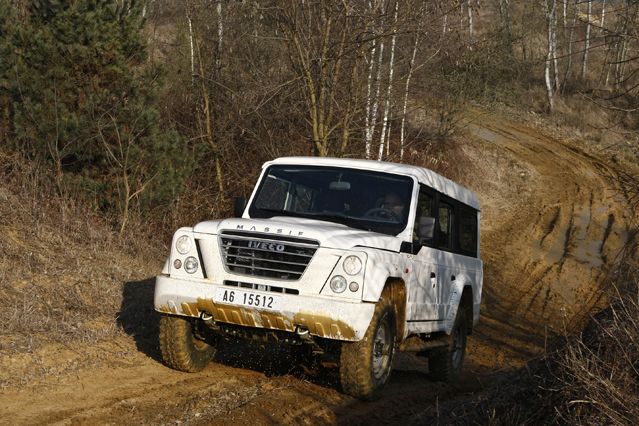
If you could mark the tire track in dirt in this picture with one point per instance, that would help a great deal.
(550, 234)
(553, 249)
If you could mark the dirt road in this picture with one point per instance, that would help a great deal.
(553, 221)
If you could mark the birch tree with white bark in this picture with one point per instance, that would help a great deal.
(551, 10)
(389, 87)
(584, 63)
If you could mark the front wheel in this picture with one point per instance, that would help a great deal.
(365, 366)
(181, 347)
(445, 363)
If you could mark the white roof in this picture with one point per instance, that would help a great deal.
(423, 175)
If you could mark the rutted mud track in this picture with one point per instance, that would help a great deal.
(553, 222)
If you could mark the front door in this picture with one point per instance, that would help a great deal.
(423, 291)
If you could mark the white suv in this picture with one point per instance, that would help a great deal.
(351, 258)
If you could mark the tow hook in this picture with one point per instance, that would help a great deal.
(305, 336)
(206, 317)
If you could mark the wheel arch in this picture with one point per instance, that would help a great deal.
(395, 290)
(466, 303)
(461, 296)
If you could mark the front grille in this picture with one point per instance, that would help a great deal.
(271, 256)
(261, 287)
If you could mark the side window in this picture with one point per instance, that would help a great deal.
(424, 228)
(468, 232)
(445, 228)
(274, 194)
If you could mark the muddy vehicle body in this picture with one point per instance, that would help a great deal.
(353, 259)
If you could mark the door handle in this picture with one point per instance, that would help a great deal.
(433, 279)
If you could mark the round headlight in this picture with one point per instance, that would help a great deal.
(183, 244)
(177, 263)
(353, 286)
(338, 284)
(352, 265)
(190, 265)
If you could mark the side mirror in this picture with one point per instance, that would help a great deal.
(426, 228)
(240, 205)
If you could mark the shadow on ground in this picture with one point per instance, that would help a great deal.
(137, 317)
(139, 320)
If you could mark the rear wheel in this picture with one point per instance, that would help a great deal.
(445, 363)
(181, 347)
(365, 366)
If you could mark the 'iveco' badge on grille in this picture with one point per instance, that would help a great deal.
(265, 246)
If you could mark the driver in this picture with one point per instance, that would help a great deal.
(394, 203)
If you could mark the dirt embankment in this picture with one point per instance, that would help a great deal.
(553, 220)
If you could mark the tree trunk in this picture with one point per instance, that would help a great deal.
(369, 85)
(220, 37)
(550, 12)
(554, 51)
(190, 22)
(378, 80)
(207, 119)
(504, 14)
(570, 41)
(584, 64)
(389, 89)
(411, 64)
(471, 32)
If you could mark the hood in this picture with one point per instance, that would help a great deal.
(330, 235)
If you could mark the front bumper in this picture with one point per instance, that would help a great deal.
(323, 316)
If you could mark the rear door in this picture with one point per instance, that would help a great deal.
(447, 267)
(458, 264)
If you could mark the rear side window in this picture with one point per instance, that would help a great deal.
(468, 232)
(445, 228)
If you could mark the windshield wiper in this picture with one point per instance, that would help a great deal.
(338, 218)
(276, 212)
(342, 219)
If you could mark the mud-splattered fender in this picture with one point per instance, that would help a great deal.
(461, 282)
(381, 266)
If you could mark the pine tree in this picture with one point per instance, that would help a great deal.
(83, 95)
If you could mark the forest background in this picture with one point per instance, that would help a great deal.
(122, 120)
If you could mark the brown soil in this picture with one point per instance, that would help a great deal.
(553, 220)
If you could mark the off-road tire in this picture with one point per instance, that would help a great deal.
(364, 368)
(179, 346)
(445, 363)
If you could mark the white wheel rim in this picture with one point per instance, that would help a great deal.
(381, 350)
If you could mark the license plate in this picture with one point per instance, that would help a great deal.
(247, 298)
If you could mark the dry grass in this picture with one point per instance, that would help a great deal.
(62, 266)
(589, 378)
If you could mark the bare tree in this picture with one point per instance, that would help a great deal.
(220, 36)
(551, 10)
(389, 89)
(323, 40)
(372, 101)
(411, 66)
(584, 63)
(554, 49)
(191, 51)
(570, 43)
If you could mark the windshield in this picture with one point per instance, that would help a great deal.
(362, 199)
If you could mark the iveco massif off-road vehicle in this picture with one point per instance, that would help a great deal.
(354, 259)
